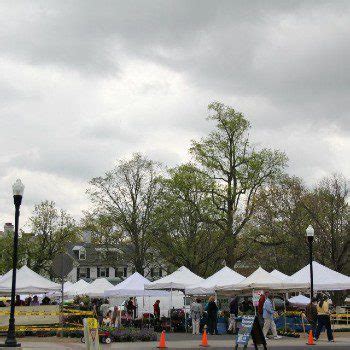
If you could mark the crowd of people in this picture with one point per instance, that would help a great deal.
(108, 315)
(28, 301)
(212, 311)
(318, 315)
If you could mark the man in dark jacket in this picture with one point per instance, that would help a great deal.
(311, 314)
(212, 310)
(233, 314)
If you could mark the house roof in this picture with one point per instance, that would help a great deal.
(94, 256)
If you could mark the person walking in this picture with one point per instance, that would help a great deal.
(323, 319)
(212, 310)
(196, 314)
(269, 323)
(311, 314)
(233, 314)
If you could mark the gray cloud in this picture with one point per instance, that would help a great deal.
(83, 84)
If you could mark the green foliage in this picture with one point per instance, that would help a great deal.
(285, 208)
(186, 230)
(52, 229)
(227, 157)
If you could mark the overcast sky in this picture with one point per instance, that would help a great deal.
(84, 83)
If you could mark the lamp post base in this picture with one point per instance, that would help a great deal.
(10, 345)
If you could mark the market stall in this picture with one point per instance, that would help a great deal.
(278, 274)
(325, 279)
(76, 289)
(260, 279)
(179, 280)
(221, 278)
(28, 282)
(96, 288)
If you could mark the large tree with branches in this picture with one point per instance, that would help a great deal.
(127, 195)
(239, 169)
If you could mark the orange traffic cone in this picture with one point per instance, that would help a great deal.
(162, 344)
(204, 339)
(310, 339)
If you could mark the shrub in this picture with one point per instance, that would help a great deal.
(132, 335)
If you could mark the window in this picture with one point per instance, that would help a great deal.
(118, 272)
(160, 272)
(152, 272)
(104, 272)
(84, 272)
(82, 254)
(125, 272)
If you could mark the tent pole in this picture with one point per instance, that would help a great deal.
(171, 300)
(285, 313)
(185, 312)
(254, 305)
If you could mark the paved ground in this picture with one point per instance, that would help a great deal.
(183, 341)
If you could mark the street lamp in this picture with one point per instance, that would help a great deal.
(310, 232)
(17, 190)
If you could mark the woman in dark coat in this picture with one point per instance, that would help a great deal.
(212, 310)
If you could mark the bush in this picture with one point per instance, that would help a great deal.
(132, 335)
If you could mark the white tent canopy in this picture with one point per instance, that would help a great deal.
(27, 282)
(77, 288)
(223, 277)
(279, 274)
(261, 279)
(299, 300)
(6, 275)
(66, 287)
(133, 286)
(324, 278)
(180, 279)
(97, 287)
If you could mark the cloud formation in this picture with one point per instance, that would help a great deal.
(85, 83)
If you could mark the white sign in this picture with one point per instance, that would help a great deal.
(256, 296)
(91, 334)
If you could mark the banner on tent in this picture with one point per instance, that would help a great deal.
(31, 315)
(43, 314)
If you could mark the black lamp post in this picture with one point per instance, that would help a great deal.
(310, 237)
(18, 189)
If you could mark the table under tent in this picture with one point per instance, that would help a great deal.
(208, 287)
(134, 286)
(325, 279)
(29, 282)
(179, 280)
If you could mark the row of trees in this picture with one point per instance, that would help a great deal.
(232, 202)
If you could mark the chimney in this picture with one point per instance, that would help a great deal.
(87, 237)
(8, 228)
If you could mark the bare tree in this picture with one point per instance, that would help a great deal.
(128, 195)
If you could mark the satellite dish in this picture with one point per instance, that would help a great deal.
(62, 264)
